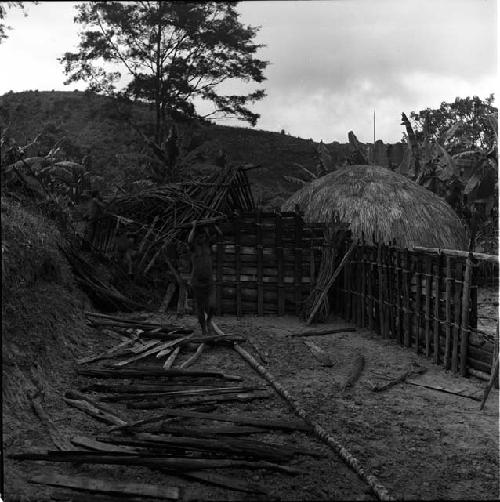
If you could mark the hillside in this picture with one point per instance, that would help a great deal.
(84, 122)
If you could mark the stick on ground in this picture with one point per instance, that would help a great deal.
(494, 376)
(380, 490)
(106, 486)
(322, 332)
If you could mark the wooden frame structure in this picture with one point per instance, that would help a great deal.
(266, 263)
(425, 299)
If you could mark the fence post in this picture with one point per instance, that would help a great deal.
(380, 290)
(370, 288)
(363, 283)
(458, 295)
(279, 260)
(398, 291)
(418, 303)
(406, 298)
(219, 279)
(436, 324)
(464, 338)
(447, 343)
(298, 260)
(237, 257)
(260, 257)
(428, 292)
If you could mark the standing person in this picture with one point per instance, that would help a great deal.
(202, 282)
(93, 216)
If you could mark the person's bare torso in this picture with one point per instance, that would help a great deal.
(201, 274)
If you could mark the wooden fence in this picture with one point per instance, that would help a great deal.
(266, 263)
(425, 300)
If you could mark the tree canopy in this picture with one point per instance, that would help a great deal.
(3, 13)
(462, 125)
(173, 53)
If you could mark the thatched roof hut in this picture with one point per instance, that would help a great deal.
(374, 200)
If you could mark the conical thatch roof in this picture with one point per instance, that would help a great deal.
(377, 201)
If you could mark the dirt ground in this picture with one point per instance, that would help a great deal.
(421, 443)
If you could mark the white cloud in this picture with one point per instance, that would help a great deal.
(332, 62)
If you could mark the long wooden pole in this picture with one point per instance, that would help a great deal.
(493, 377)
(457, 253)
(380, 490)
(330, 282)
(464, 338)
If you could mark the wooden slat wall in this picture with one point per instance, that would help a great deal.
(265, 263)
(416, 298)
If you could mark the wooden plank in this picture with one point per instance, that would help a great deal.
(188, 362)
(457, 305)
(391, 293)
(370, 289)
(193, 393)
(108, 354)
(345, 303)
(359, 277)
(226, 482)
(380, 291)
(436, 325)
(93, 485)
(406, 298)
(266, 423)
(363, 284)
(218, 281)
(428, 293)
(154, 372)
(92, 444)
(237, 250)
(95, 412)
(312, 269)
(448, 300)
(152, 402)
(205, 431)
(171, 358)
(171, 463)
(398, 293)
(260, 290)
(464, 337)
(418, 303)
(321, 332)
(298, 262)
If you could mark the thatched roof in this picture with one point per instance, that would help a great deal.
(374, 200)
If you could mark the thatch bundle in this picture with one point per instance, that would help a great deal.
(175, 204)
(380, 204)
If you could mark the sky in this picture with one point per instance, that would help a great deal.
(332, 62)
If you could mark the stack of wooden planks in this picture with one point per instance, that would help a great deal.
(187, 437)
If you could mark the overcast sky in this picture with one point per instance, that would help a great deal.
(332, 62)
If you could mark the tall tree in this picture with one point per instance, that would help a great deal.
(458, 126)
(173, 53)
(3, 12)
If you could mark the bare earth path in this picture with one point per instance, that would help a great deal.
(419, 442)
